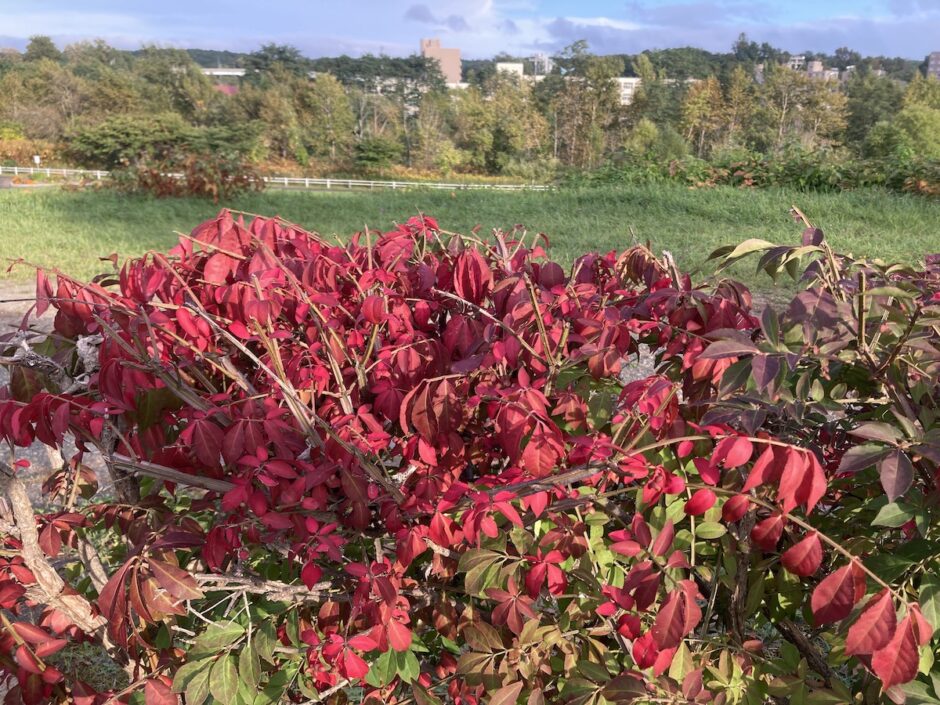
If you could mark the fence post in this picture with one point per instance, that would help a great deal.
(327, 183)
(306, 182)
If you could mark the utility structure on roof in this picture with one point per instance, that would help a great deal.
(449, 59)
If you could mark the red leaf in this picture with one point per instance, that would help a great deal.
(363, 642)
(50, 647)
(30, 633)
(205, 438)
(472, 276)
(896, 663)
(373, 309)
(664, 539)
(677, 617)
(735, 508)
(700, 502)
(351, 665)
(156, 692)
(834, 598)
(217, 268)
(733, 452)
(175, 580)
(874, 627)
(310, 575)
(924, 628)
(803, 558)
(767, 533)
(399, 636)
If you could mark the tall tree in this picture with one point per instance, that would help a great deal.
(174, 81)
(740, 100)
(259, 64)
(326, 117)
(703, 113)
(784, 91)
(871, 99)
(42, 47)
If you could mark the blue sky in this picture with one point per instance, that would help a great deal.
(481, 28)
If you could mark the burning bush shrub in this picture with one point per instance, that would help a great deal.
(419, 468)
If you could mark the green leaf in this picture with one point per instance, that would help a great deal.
(929, 598)
(408, 667)
(224, 681)
(423, 696)
(681, 663)
(249, 667)
(918, 693)
(197, 690)
(889, 291)
(265, 640)
(214, 639)
(745, 248)
(709, 530)
(893, 514)
(593, 671)
(185, 673)
(481, 577)
(476, 557)
(383, 670)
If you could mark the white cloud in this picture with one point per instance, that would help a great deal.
(605, 22)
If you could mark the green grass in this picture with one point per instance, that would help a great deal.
(71, 230)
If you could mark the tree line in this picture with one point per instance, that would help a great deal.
(98, 106)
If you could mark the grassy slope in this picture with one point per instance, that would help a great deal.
(70, 230)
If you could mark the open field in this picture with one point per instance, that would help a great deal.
(72, 229)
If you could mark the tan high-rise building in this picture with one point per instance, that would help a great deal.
(449, 59)
(933, 64)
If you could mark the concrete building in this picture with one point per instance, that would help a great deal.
(815, 69)
(449, 59)
(542, 64)
(933, 64)
(227, 72)
(797, 63)
(511, 67)
(628, 86)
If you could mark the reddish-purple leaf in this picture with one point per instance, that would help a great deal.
(874, 627)
(897, 661)
(803, 558)
(897, 474)
(700, 502)
(175, 580)
(834, 598)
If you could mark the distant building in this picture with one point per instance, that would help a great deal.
(933, 65)
(628, 86)
(449, 59)
(224, 72)
(511, 67)
(797, 63)
(815, 69)
(542, 64)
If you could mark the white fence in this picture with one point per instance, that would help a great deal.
(295, 181)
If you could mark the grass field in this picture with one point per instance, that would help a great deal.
(71, 230)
